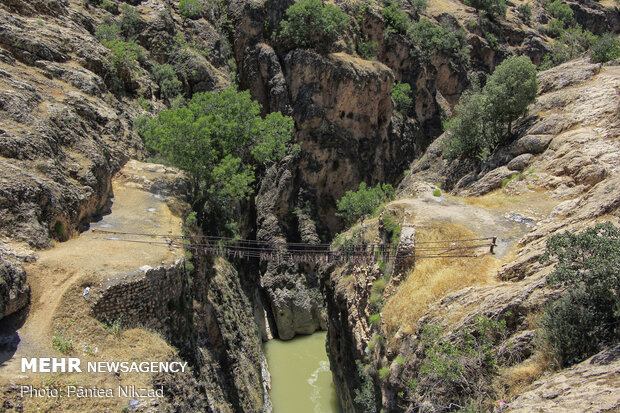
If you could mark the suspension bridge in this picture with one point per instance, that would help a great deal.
(291, 252)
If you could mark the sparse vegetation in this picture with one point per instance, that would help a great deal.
(391, 228)
(572, 43)
(494, 8)
(430, 280)
(62, 343)
(374, 319)
(357, 204)
(114, 326)
(367, 50)
(525, 12)
(312, 24)
(365, 394)
(190, 9)
(586, 316)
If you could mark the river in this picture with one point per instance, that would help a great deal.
(301, 381)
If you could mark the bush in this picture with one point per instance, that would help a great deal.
(125, 55)
(431, 37)
(130, 21)
(59, 230)
(396, 20)
(525, 12)
(190, 9)
(391, 228)
(384, 372)
(555, 28)
(401, 97)
(495, 8)
(312, 24)
(365, 393)
(586, 316)
(492, 39)
(419, 6)
(605, 48)
(561, 11)
(367, 50)
(356, 204)
(437, 192)
(570, 44)
(217, 138)
(467, 133)
(374, 319)
(108, 31)
(166, 78)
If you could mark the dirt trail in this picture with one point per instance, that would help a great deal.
(93, 256)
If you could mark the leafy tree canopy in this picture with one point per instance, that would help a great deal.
(218, 138)
(312, 24)
(586, 316)
(356, 204)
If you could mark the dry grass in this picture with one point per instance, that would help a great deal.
(513, 380)
(433, 278)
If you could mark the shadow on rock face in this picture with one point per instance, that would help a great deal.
(9, 337)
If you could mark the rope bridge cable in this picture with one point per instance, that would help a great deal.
(303, 252)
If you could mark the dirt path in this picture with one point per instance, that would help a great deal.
(93, 256)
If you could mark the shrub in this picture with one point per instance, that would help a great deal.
(130, 21)
(384, 372)
(437, 192)
(124, 55)
(419, 6)
(569, 45)
(555, 28)
(59, 230)
(561, 11)
(114, 327)
(367, 50)
(396, 20)
(605, 48)
(431, 37)
(493, 43)
(401, 97)
(365, 393)
(463, 365)
(166, 78)
(190, 9)
(356, 204)
(525, 12)
(467, 132)
(399, 360)
(495, 8)
(374, 319)
(312, 24)
(586, 316)
(107, 31)
(391, 228)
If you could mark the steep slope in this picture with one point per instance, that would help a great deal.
(566, 181)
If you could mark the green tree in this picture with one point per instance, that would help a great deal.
(218, 139)
(166, 78)
(495, 8)
(510, 89)
(401, 96)
(586, 316)
(605, 48)
(431, 37)
(396, 20)
(356, 204)
(191, 9)
(130, 21)
(484, 119)
(312, 24)
(525, 12)
(561, 11)
(467, 132)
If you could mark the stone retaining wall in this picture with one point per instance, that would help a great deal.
(149, 297)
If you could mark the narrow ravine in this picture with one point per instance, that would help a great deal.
(301, 380)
